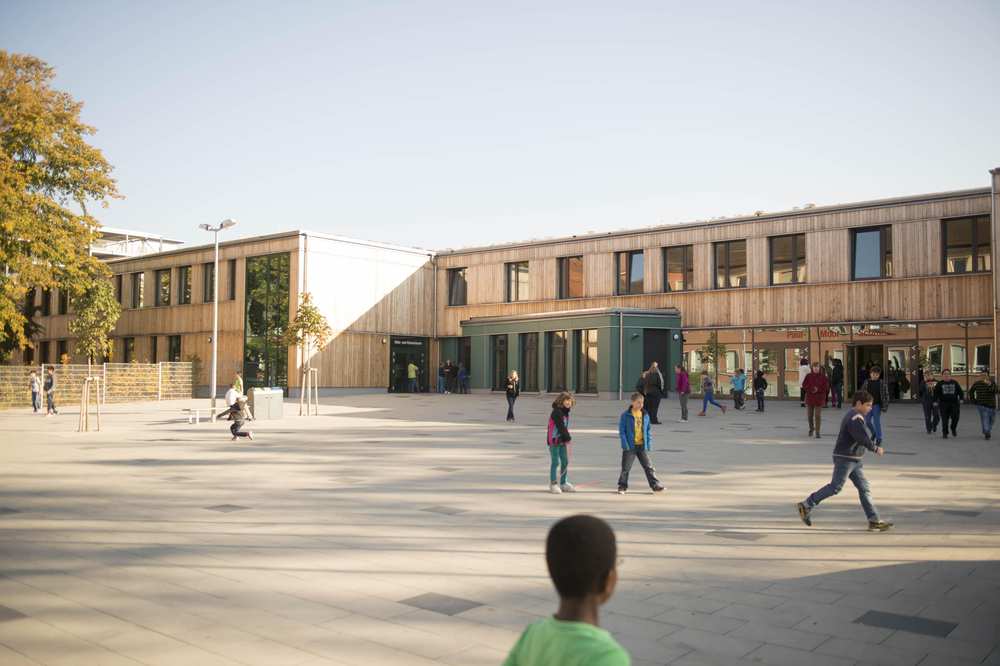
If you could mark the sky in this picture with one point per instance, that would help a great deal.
(451, 124)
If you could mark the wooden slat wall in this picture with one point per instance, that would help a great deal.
(828, 256)
(353, 360)
(758, 262)
(653, 263)
(598, 274)
(704, 265)
(916, 248)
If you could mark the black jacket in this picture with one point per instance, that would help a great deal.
(653, 383)
(853, 438)
(559, 417)
(948, 392)
(984, 394)
(882, 399)
(837, 374)
(513, 387)
(925, 393)
(759, 384)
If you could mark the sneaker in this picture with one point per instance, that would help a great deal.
(682, 420)
(554, 489)
(622, 491)
(987, 435)
(701, 413)
(945, 434)
(810, 432)
(234, 438)
(804, 512)
(723, 409)
(658, 489)
(250, 435)
(954, 433)
(878, 526)
(817, 436)
(567, 488)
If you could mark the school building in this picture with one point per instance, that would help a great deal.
(901, 282)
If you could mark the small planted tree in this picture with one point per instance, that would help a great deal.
(96, 312)
(711, 352)
(308, 331)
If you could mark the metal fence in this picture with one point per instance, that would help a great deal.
(121, 382)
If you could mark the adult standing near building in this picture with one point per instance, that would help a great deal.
(879, 390)
(50, 391)
(925, 393)
(654, 391)
(36, 391)
(411, 376)
(683, 385)
(803, 373)
(441, 378)
(816, 386)
(513, 391)
(837, 384)
(948, 396)
(984, 395)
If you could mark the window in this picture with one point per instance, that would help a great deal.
(183, 285)
(966, 244)
(529, 361)
(265, 354)
(63, 301)
(788, 259)
(174, 349)
(498, 352)
(162, 287)
(29, 355)
(871, 253)
(731, 264)
(629, 268)
(934, 357)
(138, 287)
(232, 279)
(44, 351)
(208, 282)
(958, 360)
(458, 287)
(128, 349)
(556, 346)
(678, 268)
(587, 372)
(517, 282)
(62, 349)
(46, 302)
(118, 289)
(982, 358)
(571, 277)
(152, 349)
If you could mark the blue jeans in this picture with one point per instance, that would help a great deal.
(709, 398)
(874, 421)
(440, 384)
(843, 469)
(987, 415)
(560, 458)
(412, 385)
(36, 400)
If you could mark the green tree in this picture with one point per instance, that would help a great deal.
(48, 175)
(96, 311)
(712, 351)
(309, 330)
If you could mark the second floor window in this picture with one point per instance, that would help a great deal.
(966, 244)
(788, 259)
(138, 287)
(731, 264)
(208, 282)
(571, 277)
(46, 302)
(63, 301)
(678, 268)
(162, 287)
(871, 253)
(232, 279)
(629, 270)
(458, 287)
(517, 282)
(118, 288)
(184, 285)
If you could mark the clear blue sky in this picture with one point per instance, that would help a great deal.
(448, 124)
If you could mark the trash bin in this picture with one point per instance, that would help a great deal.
(276, 403)
(267, 403)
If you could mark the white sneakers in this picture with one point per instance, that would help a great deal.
(682, 420)
(555, 489)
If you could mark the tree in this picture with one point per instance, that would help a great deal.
(96, 311)
(48, 175)
(307, 331)
(712, 351)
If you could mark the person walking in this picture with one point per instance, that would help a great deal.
(803, 373)
(513, 391)
(759, 389)
(463, 379)
(925, 393)
(636, 440)
(653, 392)
(449, 377)
(879, 391)
(983, 394)
(36, 391)
(683, 384)
(708, 392)
(948, 396)
(238, 382)
(739, 388)
(816, 386)
(852, 440)
(50, 391)
(837, 384)
(440, 386)
(557, 438)
(411, 377)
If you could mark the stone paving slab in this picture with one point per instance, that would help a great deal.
(162, 542)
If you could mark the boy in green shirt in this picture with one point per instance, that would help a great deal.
(581, 555)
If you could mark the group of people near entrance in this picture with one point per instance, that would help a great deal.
(452, 378)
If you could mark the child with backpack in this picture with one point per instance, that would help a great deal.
(759, 388)
(557, 438)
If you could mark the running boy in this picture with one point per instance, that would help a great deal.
(634, 432)
(240, 414)
(558, 438)
(851, 444)
(581, 555)
(708, 391)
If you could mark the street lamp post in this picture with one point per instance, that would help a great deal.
(225, 224)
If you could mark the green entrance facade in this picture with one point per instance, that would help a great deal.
(596, 351)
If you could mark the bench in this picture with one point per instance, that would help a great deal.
(194, 415)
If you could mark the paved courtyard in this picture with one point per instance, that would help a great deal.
(410, 530)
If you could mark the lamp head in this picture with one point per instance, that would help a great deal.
(206, 227)
(228, 223)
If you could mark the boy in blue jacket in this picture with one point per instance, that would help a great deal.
(634, 432)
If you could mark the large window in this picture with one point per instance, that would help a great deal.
(731, 264)
(529, 361)
(162, 287)
(265, 355)
(788, 259)
(174, 349)
(183, 285)
(935, 357)
(44, 351)
(958, 359)
(208, 282)
(232, 279)
(966, 244)
(118, 288)
(982, 359)
(128, 350)
(138, 287)
(458, 286)
(586, 378)
(871, 253)
(498, 354)
(153, 344)
(62, 350)
(629, 269)
(571, 277)
(517, 281)
(556, 346)
(46, 302)
(63, 301)
(678, 268)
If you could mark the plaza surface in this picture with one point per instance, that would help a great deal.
(395, 529)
